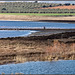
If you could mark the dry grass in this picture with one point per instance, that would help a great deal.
(61, 48)
(59, 51)
(20, 58)
(24, 50)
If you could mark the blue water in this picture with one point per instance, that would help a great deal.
(40, 67)
(24, 24)
(14, 33)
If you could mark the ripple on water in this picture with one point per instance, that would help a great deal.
(40, 67)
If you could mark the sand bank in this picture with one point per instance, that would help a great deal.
(38, 18)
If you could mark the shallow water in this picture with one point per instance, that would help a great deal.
(25, 24)
(40, 67)
(14, 33)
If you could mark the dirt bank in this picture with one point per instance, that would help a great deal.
(61, 7)
(38, 48)
(38, 18)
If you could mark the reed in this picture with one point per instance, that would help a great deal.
(61, 50)
(61, 47)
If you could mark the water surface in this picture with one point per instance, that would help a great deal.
(28, 24)
(15, 33)
(40, 67)
(24, 24)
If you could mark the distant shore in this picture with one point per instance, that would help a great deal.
(38, 18)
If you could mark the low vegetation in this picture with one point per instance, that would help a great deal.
(61, 47)
(61, 51)
(45, 48)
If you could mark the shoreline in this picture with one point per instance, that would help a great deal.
(63, 21)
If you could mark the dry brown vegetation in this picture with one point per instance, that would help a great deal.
(38, 48)
(19, 51)
(61, 47)
(61, 50)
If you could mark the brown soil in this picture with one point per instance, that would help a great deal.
(61, 7)
(37, 48)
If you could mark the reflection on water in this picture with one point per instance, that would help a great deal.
(40, 67)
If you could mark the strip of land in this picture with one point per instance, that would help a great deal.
(61, 7)
(39, 28)
(34, 17)
(59, 46)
